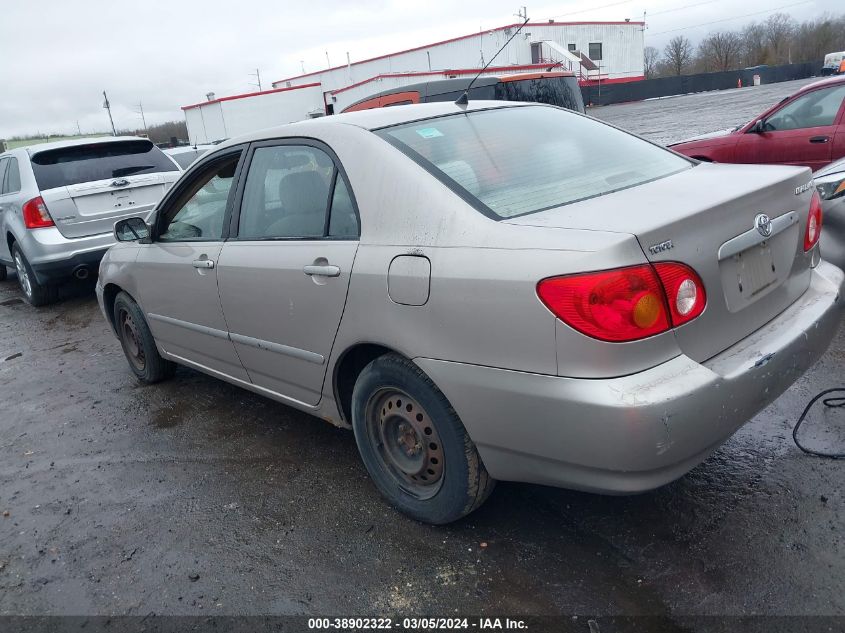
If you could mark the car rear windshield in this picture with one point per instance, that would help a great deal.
(512, 161)
(98, 161)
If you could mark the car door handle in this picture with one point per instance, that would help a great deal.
(203, 263)
(820, 139)
(322, 271)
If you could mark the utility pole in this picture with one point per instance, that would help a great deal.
(257, 76)
(141, 112)
(107, 106)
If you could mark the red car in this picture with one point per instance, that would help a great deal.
(807, 128)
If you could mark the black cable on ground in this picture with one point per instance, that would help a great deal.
(833, 403)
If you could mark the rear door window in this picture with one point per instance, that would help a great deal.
(295, 192)
(98, 161)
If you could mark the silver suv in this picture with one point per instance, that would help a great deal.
(59, 202)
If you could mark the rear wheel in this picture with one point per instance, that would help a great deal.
(413, 444)
(138, 343)
(35, 293)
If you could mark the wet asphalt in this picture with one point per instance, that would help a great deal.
(195, 497)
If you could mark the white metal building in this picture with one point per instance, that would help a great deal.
(605, 52)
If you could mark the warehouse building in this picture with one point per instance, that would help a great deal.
(597, 52)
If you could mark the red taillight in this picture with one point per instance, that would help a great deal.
(35, 214)
(626, 304)
(814, 222)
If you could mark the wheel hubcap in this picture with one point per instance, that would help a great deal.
(23, 276)
(407, 442)
(131, 340)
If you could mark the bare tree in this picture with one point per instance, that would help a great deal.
(650, 58)
(720, 51)
(780, 29)
(754, 51)
(678, 53)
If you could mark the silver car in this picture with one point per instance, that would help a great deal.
(830, 182)
(497, 292)
(59, 202)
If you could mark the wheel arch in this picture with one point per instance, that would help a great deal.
(110, 292)
(349, 366)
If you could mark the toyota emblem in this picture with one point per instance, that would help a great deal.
(763, 224)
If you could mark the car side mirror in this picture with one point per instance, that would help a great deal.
(131, 230)
(759, 127)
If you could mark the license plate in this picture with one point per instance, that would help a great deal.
(755, 270)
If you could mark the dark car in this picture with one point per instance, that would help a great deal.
(553, 88)
(806, 128)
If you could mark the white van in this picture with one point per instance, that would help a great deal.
(832, 62)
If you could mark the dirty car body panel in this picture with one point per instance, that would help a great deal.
(439, 263)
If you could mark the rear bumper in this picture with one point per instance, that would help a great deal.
(54, 257)
(637, 432)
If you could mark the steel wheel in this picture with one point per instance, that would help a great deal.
(23, 275)
(407, 442)
(131, 340)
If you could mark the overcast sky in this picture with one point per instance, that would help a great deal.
(57, 56)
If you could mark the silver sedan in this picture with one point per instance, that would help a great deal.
(494, 292)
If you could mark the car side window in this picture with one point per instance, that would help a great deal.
(199, 211)
(3, 162)
(12, 180)
(295, 192)
(815, 109)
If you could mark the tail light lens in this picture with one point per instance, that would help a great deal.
(35, 214)
(626, 304)
(814, 223)
(684, 291)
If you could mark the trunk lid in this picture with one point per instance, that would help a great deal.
(705, 217)
(92, 208)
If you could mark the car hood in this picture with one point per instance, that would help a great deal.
(704, 137)
(833, 168)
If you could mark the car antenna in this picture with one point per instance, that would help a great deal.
(463, 100)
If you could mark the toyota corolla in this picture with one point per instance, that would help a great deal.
(490, 292)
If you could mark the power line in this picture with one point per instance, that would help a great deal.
(736, 17)
(686, 6)
(604, 6)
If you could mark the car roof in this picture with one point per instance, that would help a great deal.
(94, 140)
(830, 81)
(183, 149)
(374, 119)
(441, 86)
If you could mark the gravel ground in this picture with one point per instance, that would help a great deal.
(194, 497)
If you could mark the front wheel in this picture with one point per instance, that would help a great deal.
(413, 444)
(138, 344)
(35, 293)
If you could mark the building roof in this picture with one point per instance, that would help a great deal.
(247, 94)
(456, 39)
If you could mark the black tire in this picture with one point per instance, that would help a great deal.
(138, 344)
(3, 273)
(36, 294)
(447, 481)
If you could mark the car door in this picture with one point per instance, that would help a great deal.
(284, 277)
(801, 132)
(176, 273)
